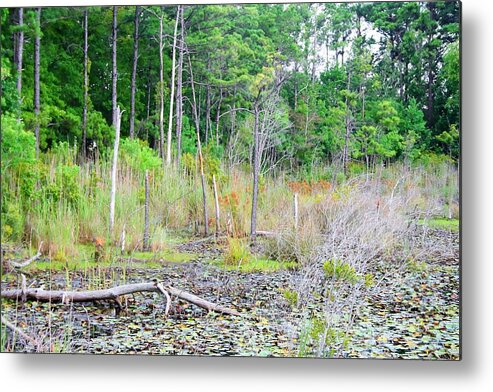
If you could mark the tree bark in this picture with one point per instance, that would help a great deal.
(113, 169)
(172, 97)
(86, 87)
(179, 87)
(20, 52)
(114, 70)
(37, 46)
(113, 293)
(134, 72)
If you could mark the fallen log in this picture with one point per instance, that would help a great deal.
(113, 293)
(268, 234)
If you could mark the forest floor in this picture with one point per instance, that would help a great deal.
(415, 314)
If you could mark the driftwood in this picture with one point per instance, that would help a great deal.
(28, 261)
(114, 293)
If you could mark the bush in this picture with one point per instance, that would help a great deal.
(12, 222)
(338, 270)
(18, 145)
(237, 252)
(138, 155)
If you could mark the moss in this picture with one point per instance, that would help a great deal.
(442, 223)
(258, 265)
(166, 256)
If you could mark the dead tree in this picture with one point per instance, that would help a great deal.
(86, 87)
(113, 294)
(179, 85)
(146, 212)
(114, 168)
(114, 68)
(172, 95)
(199, 149)
(37, 47)
(134, 72)
(19, 51)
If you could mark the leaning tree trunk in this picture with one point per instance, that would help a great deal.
(20, 52)
(199, 148)
(114, 70)
(134, 72)
(113, 169)
(172, 97)
(37, 46)
(179, 83)
(86, 87)
(256, 169)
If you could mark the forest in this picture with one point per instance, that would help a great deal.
(255, 179)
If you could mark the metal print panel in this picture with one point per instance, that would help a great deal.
(272, 180)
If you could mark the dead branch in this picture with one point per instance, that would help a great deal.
(20, 332)
(113, 293)
(28, 261)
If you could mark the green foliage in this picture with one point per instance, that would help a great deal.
(339, 270)
(66, 185)
(12, 222)
(237, 252)
(290, 296)
(137, 154)
(18, 145)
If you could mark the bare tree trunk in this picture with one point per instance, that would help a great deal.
(172, 97)
(256, 169)
(207, 112)
(146, 212)
(295, 211)
(199, 149)
(86, 87)
(348, 123)
(218, 115)
(134, 72)
(161, 89)
(179, 85)
(114, 70)
(216, 205)
(37, 45)
(20, 52)
(113, 169)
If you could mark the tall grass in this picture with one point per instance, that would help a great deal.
(71, 207)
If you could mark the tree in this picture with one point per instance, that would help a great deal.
(114, 74)
(134, 71)
(37, 51)
(172, 96)
(19, 51)
(86, 86)
(179, 84)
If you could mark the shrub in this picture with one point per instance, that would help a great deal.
(12, 222)
(338, 270)
(138, 155)
(237, 252)
(290, 296)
